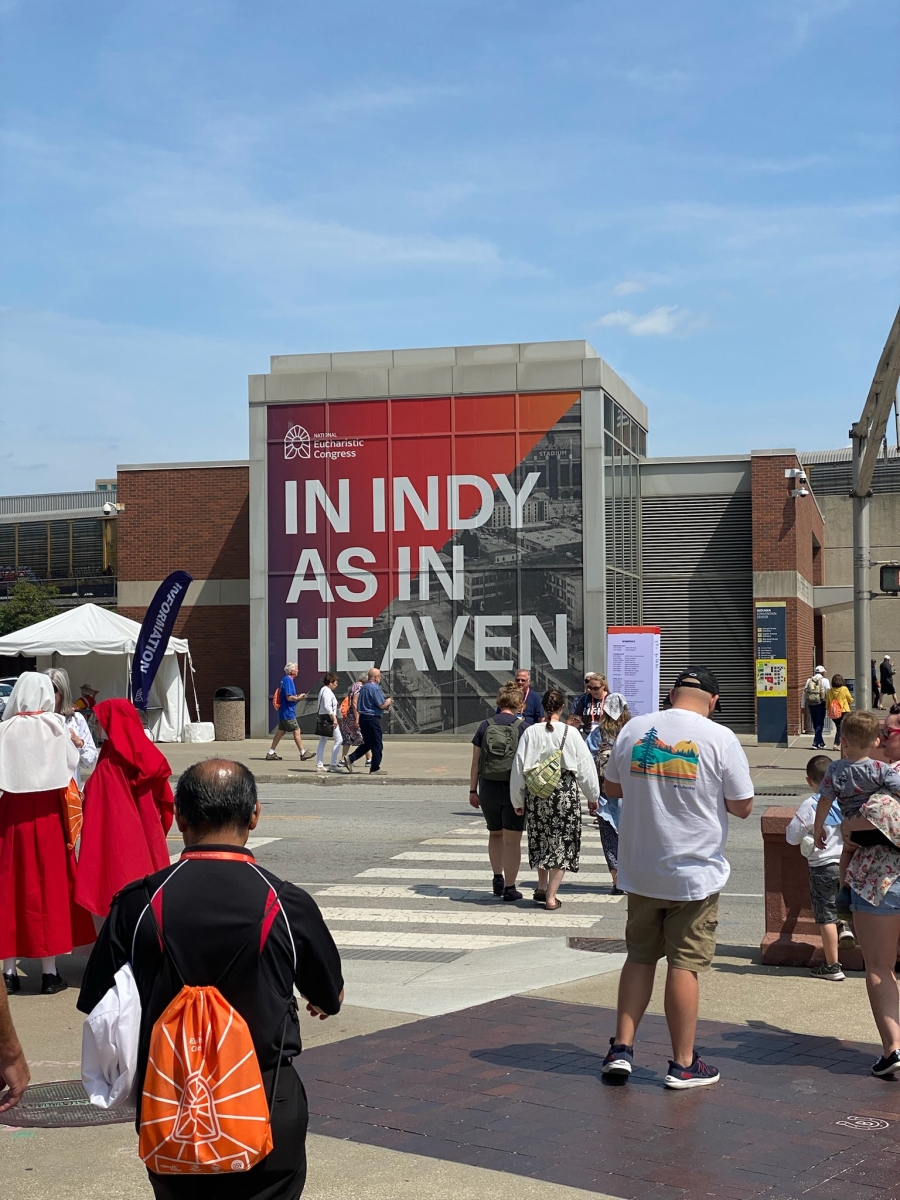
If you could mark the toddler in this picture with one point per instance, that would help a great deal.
(853, 778)
(824, 880)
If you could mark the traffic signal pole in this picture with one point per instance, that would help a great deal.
(862, 594)
(867, 435)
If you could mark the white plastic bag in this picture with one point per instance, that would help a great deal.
(109, 1044)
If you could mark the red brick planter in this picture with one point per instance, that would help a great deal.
(791, 939)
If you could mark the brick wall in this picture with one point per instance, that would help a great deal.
(788, 534)
(196, 520)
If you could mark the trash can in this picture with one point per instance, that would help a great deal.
(228, 714)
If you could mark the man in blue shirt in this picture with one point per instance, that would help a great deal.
(370, 706)
(532, 711)
(288, 696)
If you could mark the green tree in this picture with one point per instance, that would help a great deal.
(28, 604)
(646, 753)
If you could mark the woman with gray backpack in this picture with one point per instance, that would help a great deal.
(550, 770)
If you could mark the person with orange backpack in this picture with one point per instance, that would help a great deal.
(284, 701)
(216, 945)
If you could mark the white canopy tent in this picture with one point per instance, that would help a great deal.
(96, 647)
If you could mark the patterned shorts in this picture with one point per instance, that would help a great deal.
(824, 885)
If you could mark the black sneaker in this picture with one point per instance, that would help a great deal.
(12, 982)
(698, 1074)
(511, 893)
(889, 1064)
(619, 1060)
(497, 884)
(831, 971)
(51, 984)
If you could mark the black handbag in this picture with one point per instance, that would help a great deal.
(324, 725)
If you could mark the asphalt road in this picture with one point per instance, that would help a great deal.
(347, 839)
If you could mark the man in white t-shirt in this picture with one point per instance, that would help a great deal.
(679, 775)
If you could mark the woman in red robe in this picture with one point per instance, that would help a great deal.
(128, 810)
(38, 915)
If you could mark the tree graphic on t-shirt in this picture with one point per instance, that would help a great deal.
(646, 750)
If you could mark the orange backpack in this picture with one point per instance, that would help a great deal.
(345, 707)
(276, 698)
(204, 1108)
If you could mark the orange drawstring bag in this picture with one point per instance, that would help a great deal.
(204, 1108)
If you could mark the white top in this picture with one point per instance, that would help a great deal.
(87, 754)
(36, 752)
(676, 770)
(328, 705)
(802, 823)
(536, 743)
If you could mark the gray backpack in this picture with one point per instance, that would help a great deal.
(498, 750)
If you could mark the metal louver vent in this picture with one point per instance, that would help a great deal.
(698, 587)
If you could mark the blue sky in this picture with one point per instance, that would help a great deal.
(707, 191)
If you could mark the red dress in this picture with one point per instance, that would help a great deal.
(38, 915)
(128, 810)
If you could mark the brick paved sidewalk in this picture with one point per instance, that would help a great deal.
(515, 1086)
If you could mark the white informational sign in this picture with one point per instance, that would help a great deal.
(632, 665)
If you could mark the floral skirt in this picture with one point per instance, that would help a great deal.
(554, 827)
(349, 727)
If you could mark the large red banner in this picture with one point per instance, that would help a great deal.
(398, 533)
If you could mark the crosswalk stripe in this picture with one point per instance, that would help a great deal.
(396, 891)
(464, 856)
(415, 916)
(446, 873)
(359, 939)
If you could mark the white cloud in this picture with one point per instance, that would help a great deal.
(628, 287)
(664, 321)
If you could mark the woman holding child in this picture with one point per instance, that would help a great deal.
(866, 785)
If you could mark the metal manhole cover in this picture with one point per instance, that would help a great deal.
(597, 945)
(61, 1105)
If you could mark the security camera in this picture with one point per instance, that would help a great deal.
(802, 477)
(108, 509)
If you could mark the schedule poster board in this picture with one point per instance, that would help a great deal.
(632, 665)
(771, 672)
(437, 538)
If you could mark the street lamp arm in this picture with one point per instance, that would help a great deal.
(870, 429)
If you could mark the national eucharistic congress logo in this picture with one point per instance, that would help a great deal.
(296, 442)
(299, 443)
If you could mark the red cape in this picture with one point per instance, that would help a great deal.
(128, 810)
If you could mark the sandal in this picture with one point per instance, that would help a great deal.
(538, 896)
(557, 905)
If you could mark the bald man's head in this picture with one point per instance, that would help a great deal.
(216, 794)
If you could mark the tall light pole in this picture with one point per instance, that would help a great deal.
(867, 435)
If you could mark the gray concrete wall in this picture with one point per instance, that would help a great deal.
(838, 569)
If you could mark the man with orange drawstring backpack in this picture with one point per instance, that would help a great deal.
(216, 945)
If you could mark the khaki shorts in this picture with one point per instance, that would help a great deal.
(681, 931)
(288, 724)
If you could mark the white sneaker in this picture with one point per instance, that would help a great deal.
(322, 769)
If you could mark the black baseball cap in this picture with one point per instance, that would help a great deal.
(700, 678)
